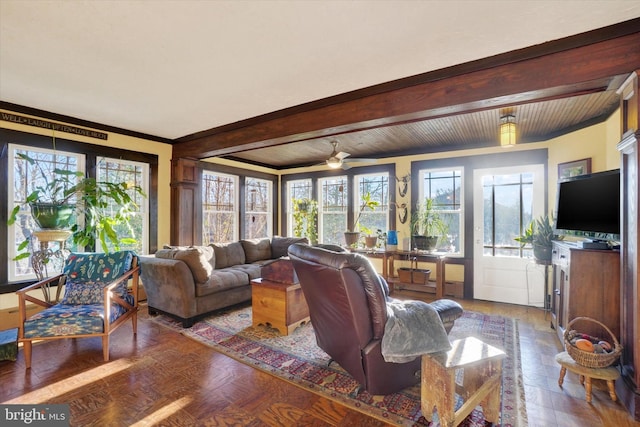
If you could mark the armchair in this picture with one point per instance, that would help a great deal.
(348, 305)
(96, 300)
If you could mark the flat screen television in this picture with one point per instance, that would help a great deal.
(590, 204)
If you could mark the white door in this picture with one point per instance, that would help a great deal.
(505, 202)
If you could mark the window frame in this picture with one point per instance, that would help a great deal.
(91, 152)
(460, 248)
(389, 168)
(236, 201)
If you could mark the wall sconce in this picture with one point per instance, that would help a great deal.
(508, 131)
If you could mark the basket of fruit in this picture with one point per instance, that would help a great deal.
(589, 351)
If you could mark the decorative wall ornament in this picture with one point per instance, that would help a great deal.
(403, 212)
(403, 184)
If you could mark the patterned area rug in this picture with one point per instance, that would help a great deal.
(296, 358)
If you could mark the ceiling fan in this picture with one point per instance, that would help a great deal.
(342, 160)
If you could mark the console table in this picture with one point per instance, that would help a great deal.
(440, 259)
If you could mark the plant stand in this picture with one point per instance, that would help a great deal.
(41, 258)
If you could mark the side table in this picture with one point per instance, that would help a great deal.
(280, 305)
(482, 366)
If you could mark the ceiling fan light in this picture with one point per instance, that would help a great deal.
(508, 131)
(334, 162)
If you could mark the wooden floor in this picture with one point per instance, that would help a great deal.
(163, 378)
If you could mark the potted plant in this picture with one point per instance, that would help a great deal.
(352, 236)
(427, 226)
(539, 234)
(66, 193)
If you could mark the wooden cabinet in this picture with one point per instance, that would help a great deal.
(586, 283)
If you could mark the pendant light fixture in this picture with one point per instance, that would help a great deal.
(508, 130)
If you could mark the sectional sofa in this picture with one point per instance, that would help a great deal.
(188, 282)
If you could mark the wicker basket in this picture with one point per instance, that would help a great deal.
(584, 358)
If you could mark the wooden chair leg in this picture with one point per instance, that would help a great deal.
(105, 347)
(26, 347)
(588, 389)
(134, 323)
(612, 390)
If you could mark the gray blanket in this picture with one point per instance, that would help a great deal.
(413, 328)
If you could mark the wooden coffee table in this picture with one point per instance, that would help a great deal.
(279, 305)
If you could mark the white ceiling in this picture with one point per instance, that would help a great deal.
(173, 68)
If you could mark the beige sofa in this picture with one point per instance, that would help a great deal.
(189, 282)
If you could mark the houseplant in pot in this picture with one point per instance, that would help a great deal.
(539, 234)
(352, 235)
(99, 208)
(427, 226)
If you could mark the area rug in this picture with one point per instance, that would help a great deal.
(297, 359)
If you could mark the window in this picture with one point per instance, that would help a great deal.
(445, 188)
(219, 207)
(25, 177)
(508, 210)
(377, 188)
(258, 218)
(298, 192)
(332, 209)
(134, 174)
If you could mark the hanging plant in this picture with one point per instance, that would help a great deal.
(305, 219)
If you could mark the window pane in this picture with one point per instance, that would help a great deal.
(134, 174)
(377, 187)
(257, 221)
(302, 210)
(219, 201)
(445, 188)
(333, 210)
(26, 177)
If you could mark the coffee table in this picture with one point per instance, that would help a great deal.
(279, 305)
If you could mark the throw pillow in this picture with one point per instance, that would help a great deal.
(256, 249)
(280, 245)
(228, 254)
(199, 259)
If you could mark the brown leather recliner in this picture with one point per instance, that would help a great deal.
(347, 304)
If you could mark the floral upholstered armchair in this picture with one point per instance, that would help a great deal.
(97, 299)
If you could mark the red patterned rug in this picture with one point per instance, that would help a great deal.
(296, 358)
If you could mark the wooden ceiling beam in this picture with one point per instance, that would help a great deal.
(502, 80)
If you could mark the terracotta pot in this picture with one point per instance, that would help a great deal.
(370, 241)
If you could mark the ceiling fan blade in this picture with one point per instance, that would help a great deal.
(342, 155)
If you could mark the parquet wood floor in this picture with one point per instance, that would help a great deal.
(163, 378)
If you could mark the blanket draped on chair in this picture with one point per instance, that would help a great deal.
(413, 328)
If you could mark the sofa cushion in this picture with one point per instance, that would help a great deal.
(279, 245)
(228, 254)
(220, 280)
(199, 259)
(252, 270)
(256, 249)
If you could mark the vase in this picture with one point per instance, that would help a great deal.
(49, 216)
(351, 238)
